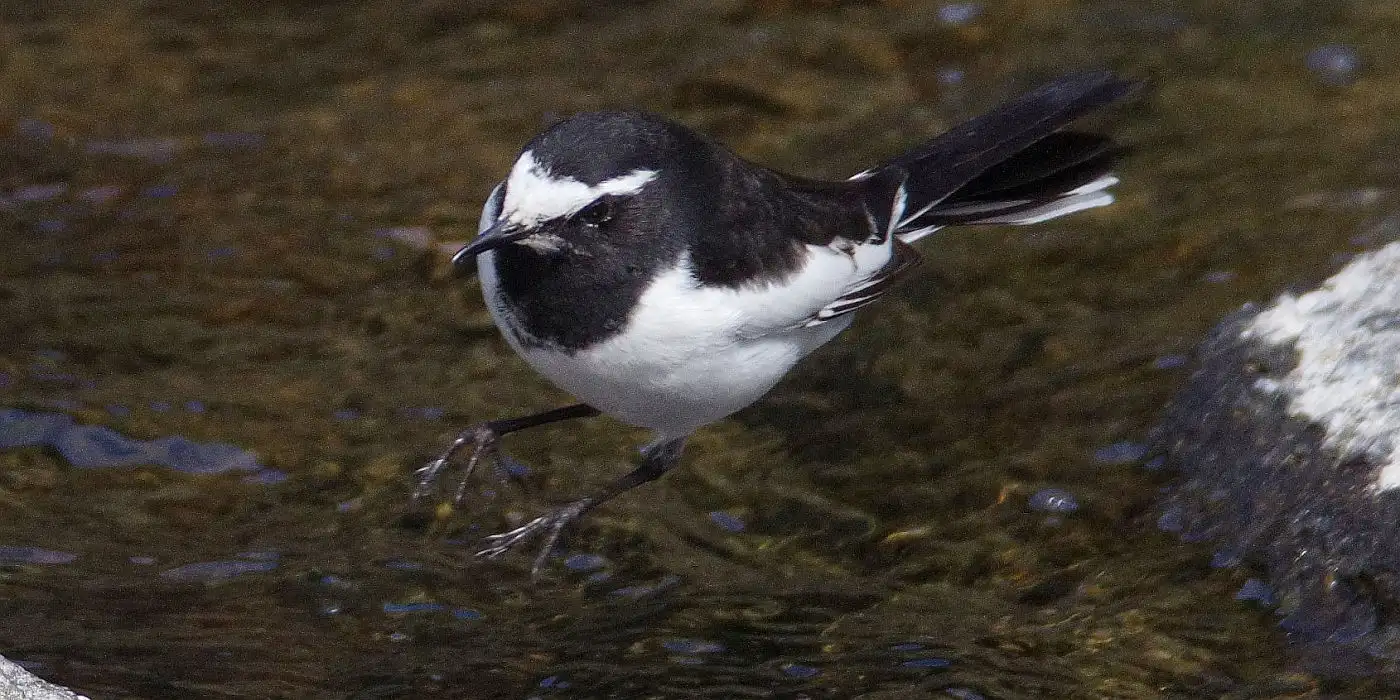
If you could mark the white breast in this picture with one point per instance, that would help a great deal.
(691, 355)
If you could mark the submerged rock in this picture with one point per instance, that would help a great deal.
(1288, 438)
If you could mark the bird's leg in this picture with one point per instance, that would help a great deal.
(657, 459)
(485, 438)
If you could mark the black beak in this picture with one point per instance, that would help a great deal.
(500, 233)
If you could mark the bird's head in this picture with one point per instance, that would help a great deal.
(588, 183)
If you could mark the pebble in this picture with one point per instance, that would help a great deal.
(1335, 64)
(959, 13)
(727, 521)
(1257, 591)
(800, 671)
(585, 562)
(1053, 500)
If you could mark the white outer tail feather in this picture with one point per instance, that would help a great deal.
(1051, 210)
(1088, 196)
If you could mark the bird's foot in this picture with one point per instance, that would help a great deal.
(485, 441)
(551, 525)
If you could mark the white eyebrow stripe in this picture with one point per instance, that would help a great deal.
(534, 195)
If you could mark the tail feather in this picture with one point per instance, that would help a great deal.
(1029, 193)
(1051, 163)
(1012, 165)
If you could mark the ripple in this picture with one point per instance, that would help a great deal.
(34, 555)
(640, 591)
(217, 570)
(421, 412)
(202, 458)
(1257, 591)
(223, 252)
(964, 694)
(931, 663)
(416, 237)
(100, 194)
(692, 646)
(39, 193)
(98, 447)
(1170, 362)
(51, 226)
(1171, 521)
(1122, 452)
(154, 150)
(35, 129)
(22, 429)
(162, 191)
(92, 446)
(405, 608)
(1224, 559)
(234, 140)
(266, 477)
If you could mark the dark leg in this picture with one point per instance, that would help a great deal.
(486, 437)
(657, 459)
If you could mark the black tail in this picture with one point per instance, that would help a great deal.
(1013, 165)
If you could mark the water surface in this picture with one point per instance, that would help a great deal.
(223, 228)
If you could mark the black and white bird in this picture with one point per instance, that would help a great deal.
(665, 281)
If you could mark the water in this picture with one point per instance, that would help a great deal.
(225, 228)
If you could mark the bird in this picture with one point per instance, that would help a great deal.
(665, 281)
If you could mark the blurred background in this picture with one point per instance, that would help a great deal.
(228, 335)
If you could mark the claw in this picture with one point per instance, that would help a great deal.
(485, 442)
(552, 524)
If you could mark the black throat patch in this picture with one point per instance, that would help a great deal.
(569, 301)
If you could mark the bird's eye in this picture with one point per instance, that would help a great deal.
(596, 214)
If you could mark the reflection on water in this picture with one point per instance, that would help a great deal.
(93, 446)
(223, 239)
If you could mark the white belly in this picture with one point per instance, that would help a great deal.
(680, 383)
(688, 357)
